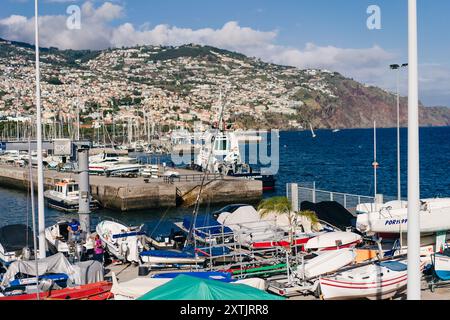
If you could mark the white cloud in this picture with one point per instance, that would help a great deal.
(369, 65)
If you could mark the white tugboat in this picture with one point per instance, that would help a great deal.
(65, 197)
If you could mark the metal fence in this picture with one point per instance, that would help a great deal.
(298, 193)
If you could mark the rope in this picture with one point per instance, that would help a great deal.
(159, 222)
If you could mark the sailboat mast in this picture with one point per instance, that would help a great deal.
(33, 212)
(375, 163)
(41, 209)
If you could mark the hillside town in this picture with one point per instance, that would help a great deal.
(174, 86)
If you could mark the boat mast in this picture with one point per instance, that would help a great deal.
(414, 272)
(33, 215)
(375, 163)
(41, 209)
(205, 173)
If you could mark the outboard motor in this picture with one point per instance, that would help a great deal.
(124, 250)
(46, 285)
(79, 249)
(26, 254)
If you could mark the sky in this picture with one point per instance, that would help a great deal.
(327, 34)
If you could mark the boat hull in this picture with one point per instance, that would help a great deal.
(333, 241)
(435, 221)
(96, 291)
(442, 266)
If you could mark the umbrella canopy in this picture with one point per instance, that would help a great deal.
(190, 288)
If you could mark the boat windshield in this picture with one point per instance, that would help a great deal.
(73, 188)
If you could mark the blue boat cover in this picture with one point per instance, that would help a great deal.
(130, 234)
(188, 252)
(167, 254)
(208, 226)
(219, 276)
(394, 265)
(57, 277)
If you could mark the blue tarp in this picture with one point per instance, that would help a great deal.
(188, 252)
(207, 226)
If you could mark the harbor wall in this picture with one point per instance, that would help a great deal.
(133, 194)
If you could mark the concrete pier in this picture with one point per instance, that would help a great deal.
(132, 194)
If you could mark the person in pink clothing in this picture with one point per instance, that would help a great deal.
(98, 249)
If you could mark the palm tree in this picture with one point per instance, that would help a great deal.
(279, 206)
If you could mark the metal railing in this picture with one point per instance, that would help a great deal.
(192, 178)
(299, 193)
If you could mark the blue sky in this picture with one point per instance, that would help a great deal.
(279, 31)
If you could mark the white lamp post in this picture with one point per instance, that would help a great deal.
(414, 273)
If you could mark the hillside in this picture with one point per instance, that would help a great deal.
(180, 85)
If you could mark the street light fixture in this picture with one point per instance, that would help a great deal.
(399, 182)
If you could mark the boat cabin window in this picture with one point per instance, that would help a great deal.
(221, 144)
(73, 188)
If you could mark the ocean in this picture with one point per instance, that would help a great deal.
(339, 162)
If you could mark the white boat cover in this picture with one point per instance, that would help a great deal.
(54, 264)
(242, 215)
(136, 288)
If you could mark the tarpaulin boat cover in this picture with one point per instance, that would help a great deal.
(191, 288)
(207, 227)
(331, 212)
(394, 265)
(136, 288)
(188, 252)
(16, 237)
(54, 264)
(88, 272)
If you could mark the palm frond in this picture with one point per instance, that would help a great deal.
(276, 205)
(311, 216)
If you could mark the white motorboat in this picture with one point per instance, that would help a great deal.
(111, 156)
(125, 243)
(15, 241)
(326, 262)
(65, 197)
(58, 240)
(333, 241)
(434, 217)
(375, 281)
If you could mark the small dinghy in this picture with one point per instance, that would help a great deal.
(96, 291)
(124, 243)
(15, 241)
(167, 257)
(333, 241)
(375, 281)
(65, 197)
(441, 265)
(326, 262)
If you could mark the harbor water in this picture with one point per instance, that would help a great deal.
(336, 161)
